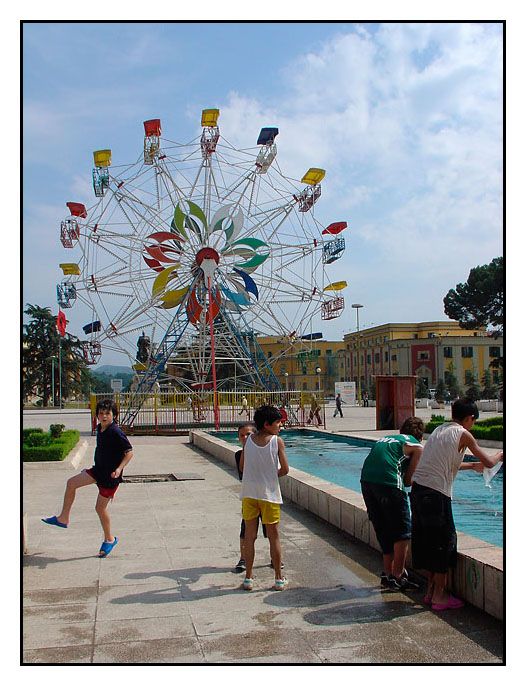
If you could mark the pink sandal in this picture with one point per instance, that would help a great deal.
(452, 604)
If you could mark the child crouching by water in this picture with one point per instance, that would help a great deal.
(434, 538)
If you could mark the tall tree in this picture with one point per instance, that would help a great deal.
(472, 391)
(489, 389)
(40, 344)
(480, 301)
(451, 381)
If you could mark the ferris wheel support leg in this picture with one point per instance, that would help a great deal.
(214, 378)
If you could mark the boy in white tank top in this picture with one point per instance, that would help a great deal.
(262, 462)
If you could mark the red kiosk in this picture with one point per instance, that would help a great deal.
(395, 401)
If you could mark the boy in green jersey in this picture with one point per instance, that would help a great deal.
(386, 470)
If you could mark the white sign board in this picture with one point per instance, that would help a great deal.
(116, 385)
(348, 391)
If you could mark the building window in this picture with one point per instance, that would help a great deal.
(393, 357)
(431, 335)
(385, 339)
(328, 352)
(422, 355)
(368, 359)
(415, 335)
(495, 375)
(386, 356)
(377, 340)
(467, 351)
(377, 358)
(448, 351)
(494, 351)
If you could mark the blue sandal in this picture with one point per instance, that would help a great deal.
(106, 547)
(54, 521)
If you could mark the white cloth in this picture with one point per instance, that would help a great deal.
(440, 459)
(260, 471)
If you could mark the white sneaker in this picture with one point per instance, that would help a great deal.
(279, 584)
(248, 584)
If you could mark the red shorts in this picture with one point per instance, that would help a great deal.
(105, 492)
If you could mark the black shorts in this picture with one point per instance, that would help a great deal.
(434, 539)
(388, 510)
(242, 533)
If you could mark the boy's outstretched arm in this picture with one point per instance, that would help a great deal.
(467, 441)
(127, 457)
(284, 465)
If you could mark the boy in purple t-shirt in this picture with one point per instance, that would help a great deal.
(112, 454)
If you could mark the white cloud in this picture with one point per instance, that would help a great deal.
(410, 118)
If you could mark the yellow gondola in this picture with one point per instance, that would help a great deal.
(102, 158)
(313, 176)
(70, 268)
(336, 286)
(209, 117)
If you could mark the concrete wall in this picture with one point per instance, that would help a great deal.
(479, 576)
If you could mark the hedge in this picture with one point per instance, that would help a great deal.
(491, 421)
(28, 432)
(486, 433)
(57, 450)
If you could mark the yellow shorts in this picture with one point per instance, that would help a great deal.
(252, 508)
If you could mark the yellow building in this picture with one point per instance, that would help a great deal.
(426, 349)
(305, 365)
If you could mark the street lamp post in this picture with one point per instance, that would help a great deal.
(287, 381)
(318, 372)
(357, 307)
(52, 358)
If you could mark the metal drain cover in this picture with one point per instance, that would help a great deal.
(147, 478)
(152, 478)
(188, 476)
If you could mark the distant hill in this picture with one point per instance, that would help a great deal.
(112, 370)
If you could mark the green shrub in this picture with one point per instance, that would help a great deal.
(57, 449)
(491, 421)
(488, 433)
(56, 429)
(43, 453)
(37, 439)
(484, 432)
(28, 432)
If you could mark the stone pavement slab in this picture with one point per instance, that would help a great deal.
(167, 594)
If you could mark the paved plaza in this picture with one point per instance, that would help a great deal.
(168, 592)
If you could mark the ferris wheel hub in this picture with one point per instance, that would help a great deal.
(207, 254)
(208, 260)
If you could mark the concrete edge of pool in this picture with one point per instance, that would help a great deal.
(478, 577)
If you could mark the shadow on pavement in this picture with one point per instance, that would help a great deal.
(34, 560)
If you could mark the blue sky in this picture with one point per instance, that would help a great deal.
(406, 118)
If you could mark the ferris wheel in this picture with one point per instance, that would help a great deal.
(192, 252)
